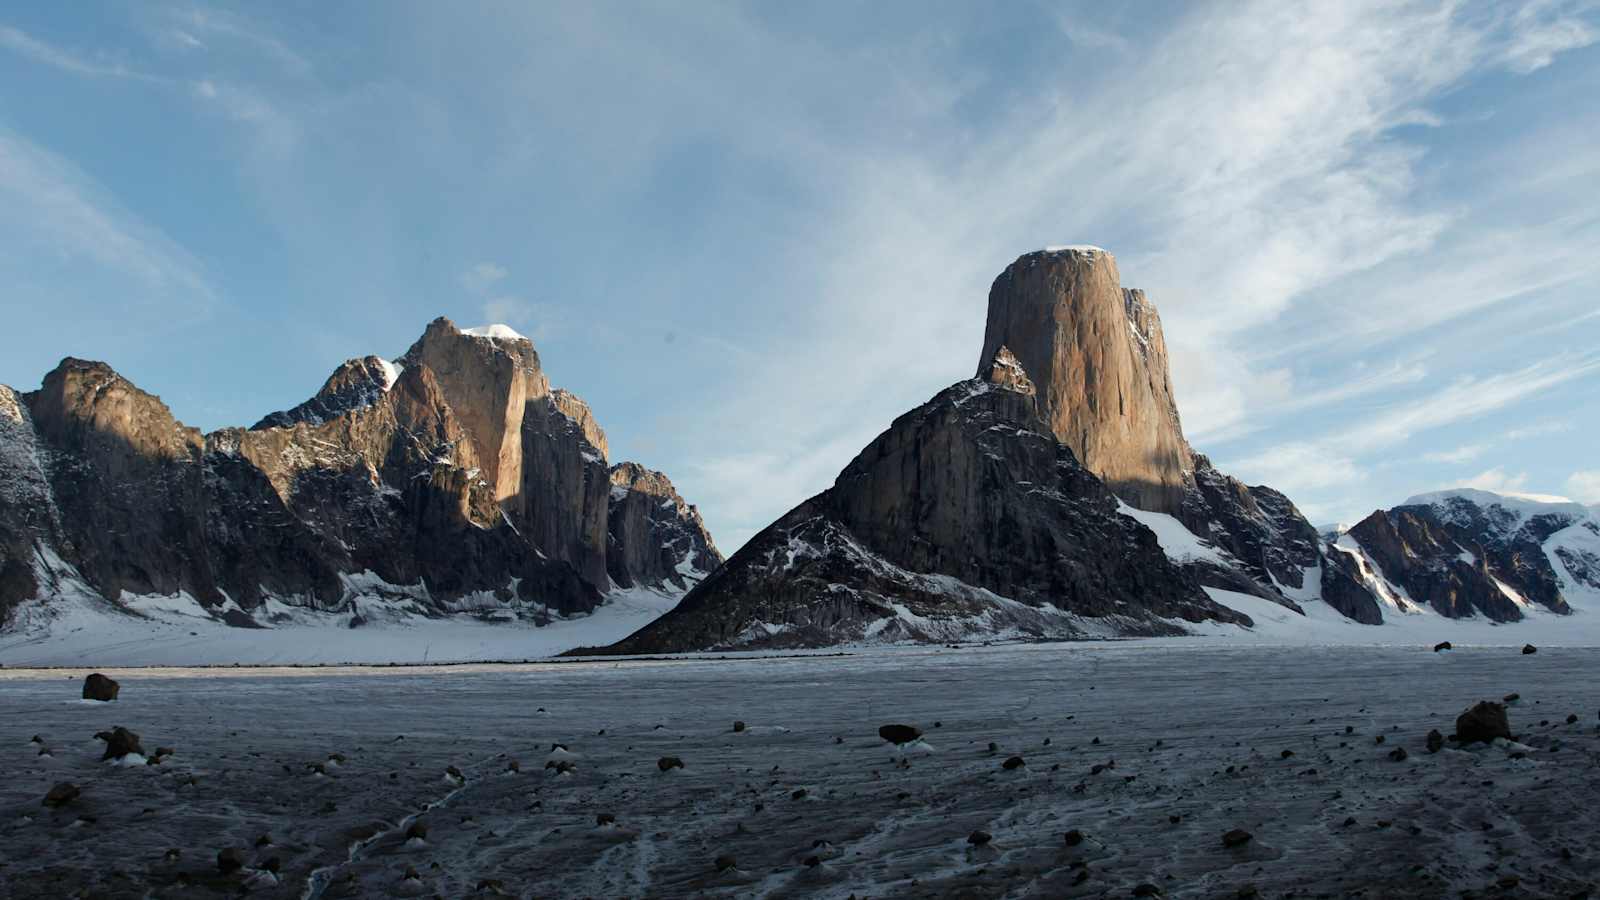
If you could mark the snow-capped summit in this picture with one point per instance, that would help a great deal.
(496, 331)
(1521, 504)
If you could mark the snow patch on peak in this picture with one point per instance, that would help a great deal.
(1521, 504)
(391, 373)
(496, 331)
(1076, 248)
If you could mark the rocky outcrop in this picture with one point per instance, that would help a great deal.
(454, 480)
(966, 518)
(356, 384)
(655, 536)
(1467, 553)
(1258, 527)
(1099, 359)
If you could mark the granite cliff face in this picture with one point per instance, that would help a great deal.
(1098, 355)
(965, 518)
(452, 480)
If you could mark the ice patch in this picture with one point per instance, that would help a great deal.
(497, 331)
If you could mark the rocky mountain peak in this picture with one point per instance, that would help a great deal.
(356, 384)
(489, 380)
(1098, 359)
(1005, 370)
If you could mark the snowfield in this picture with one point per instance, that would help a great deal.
(1146, 752)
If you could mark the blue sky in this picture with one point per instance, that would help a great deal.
(752, 234)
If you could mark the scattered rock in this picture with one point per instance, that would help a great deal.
(120, 742)
(99, 687)
(1435, 741)
(229, 860)
(1483, 722)
(724, 863)
(63, 793)
(1015, 762)
(1572, 719)
(979, 838)
(1073, 838)
(1286, 754)
(799, 794)
(1398, 754)
(1238, 837)
(1378, 739)
(1528, 649)
(899, 734)
(668, 763)
(264, 840)
(1511, 698)
(739, 726)
(1442, 645)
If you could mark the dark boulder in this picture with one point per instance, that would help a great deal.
(668, 763)
(1238, 837)
(99, 687)
(1435, 741)
(1528, 649)
(60, 795)
(899, 734)
(1442, 645)
(1483, 722)
(120, 742)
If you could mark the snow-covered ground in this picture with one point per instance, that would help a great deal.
(1205, 737)
(82, 629)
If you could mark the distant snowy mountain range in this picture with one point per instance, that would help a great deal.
(451, 505)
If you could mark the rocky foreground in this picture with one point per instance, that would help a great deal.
(1040, 771)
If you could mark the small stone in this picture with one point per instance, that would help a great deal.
(979, 838)
(1572, 719)
(1398, 754)
(1378, 739)
(99, 687)
(417, 831)
(1435, 741)
(1238, 837)
(1286, 754)
(724, 863)
(1073, 838)
(1173, 820)
(264, 840)
(1015, 762)
(899, 734)
(738, 726)
(667, 763)
(1442, 645)
(229, 860)
(60, 795)
(120, 742)
(1511, 698)
(798, 794)
(1528, 649)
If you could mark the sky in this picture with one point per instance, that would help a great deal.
(751, 234)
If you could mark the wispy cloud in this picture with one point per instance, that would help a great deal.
(20, 42)
(481, 276)
(1584, 486)
(53, 209)
(1495, 479)
(1462, 454)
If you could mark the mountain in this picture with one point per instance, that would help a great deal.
(454, 479)
(1028, 501)
(1471, 553)
(965, 517)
